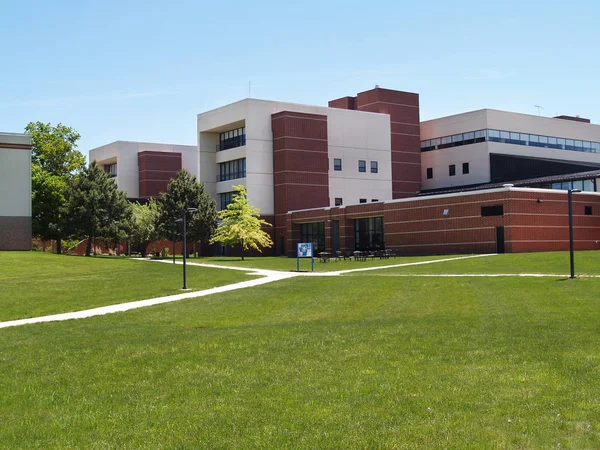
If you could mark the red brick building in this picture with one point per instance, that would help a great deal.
(506, 219)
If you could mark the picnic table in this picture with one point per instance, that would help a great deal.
(324, 256)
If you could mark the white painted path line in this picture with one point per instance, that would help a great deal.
(467, 275)
(340, 272)
(143, 303)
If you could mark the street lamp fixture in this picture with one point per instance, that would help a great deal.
(570, 201)
(183, 217)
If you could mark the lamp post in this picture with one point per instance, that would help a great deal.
(570, 201)
(183, 214)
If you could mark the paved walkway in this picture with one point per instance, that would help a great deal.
(266, 276)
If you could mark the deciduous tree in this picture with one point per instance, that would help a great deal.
(144, 225)
(54, 161)
(241, 224)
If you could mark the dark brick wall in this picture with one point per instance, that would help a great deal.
(300, 166)
(156, 170)
(15, 233)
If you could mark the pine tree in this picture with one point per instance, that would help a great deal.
(95, 207)
(241, 224)
(184, 192)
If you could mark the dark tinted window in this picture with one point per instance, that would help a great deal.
(496, 210)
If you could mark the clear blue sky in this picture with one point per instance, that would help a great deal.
(143, 70)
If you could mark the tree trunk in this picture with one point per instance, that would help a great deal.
(88, 247)
(59, 246)
(242, 249)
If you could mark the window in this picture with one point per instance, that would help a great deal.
(225, 199)
(337, 164)
(374, 199)
(338, 201)
(362, 200)
(362, 165)
(451, 170)
(231, 170)
(368, 234)
(588, 210)
(465, 168)
(509, 137)
(232, 138)
(374, 167)
(495, 210)
(314, 233)
(429, 173)
(111, 169)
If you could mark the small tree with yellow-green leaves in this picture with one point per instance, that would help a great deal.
(241, 224)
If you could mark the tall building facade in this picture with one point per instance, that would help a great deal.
(288, 157)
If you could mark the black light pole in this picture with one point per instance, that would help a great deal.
(173, 239)
(570, 201)
(184, 213)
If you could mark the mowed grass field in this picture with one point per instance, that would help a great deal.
(356, 361)
(35, 283)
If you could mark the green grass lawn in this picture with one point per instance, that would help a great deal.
(35, 283)
(289, 264)
(341, 362)
(586, 262)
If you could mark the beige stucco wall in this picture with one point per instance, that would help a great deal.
(352, 135)
(125, 154)
(15, 175)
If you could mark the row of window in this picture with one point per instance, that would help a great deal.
(362, 165)
(510, 137)
(451, 170)
(231, 139)
(368, 234)
(582, 185)
(232, 170)
(339, 201)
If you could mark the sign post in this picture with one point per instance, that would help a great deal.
(305, 250)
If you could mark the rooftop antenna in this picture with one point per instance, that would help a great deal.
(538, 108)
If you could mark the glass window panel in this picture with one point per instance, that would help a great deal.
(578, 144)
(435, 142)
(494, 134)
(587, 146)
(514, 136)
(544, 140)
(556, 185)
(561, 143)
(425, 144)
(534, 138)
(578, 185)
(468, 136)
(566, 185)
(479, 134)
(446, 140)
(588, 185)
(504, 135)
(524, 138)
(552, 142)
(457, 138)
(569, 144)
(596, 147)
